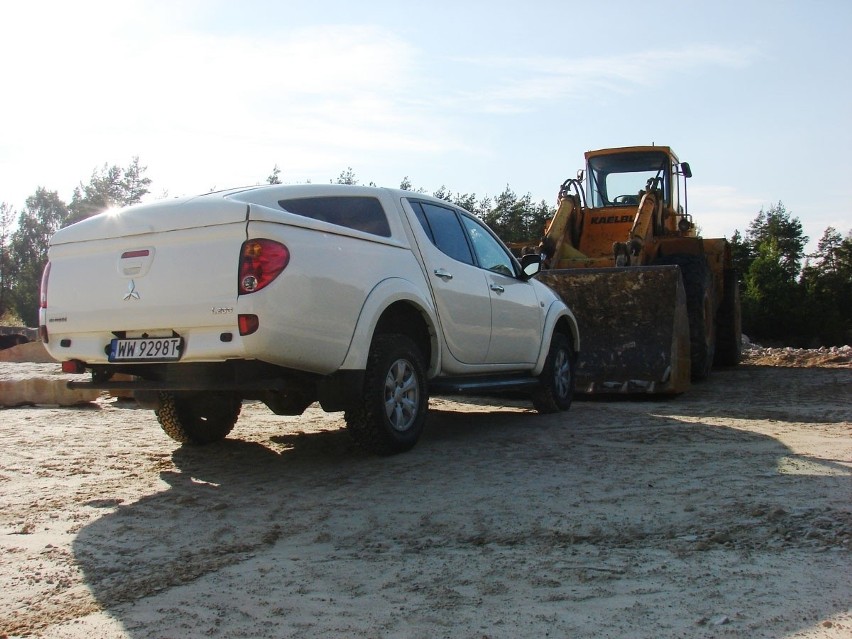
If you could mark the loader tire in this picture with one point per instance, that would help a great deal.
(198, 418)
(391, 414)
(557, 377)
(729, 334)
(698, 286)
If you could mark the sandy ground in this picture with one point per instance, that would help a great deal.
(726, 512)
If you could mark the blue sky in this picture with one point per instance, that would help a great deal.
(471, 95)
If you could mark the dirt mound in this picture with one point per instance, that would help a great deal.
(823, 357)
(29, 352)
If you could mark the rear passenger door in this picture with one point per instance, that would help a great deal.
(459, 286)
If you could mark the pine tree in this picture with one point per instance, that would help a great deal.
(43, 215)
(109, 187)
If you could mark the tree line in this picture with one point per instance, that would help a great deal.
(787, 296)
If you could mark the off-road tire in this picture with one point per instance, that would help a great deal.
(698, 286)
(198, 418)
(390, 415)
(557, 378)
(729, 333)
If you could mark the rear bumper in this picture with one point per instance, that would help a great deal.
(248, 379)
(200, 344)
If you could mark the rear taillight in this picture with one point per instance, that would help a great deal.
(74, 366)
(261, 261)
(43, 295)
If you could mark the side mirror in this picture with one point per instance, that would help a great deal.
(684, 168)
(531, 264)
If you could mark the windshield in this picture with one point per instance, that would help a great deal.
(615, 180)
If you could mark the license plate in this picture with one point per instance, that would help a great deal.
(146, 349)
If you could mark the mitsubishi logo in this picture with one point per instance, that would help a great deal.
(131, 292)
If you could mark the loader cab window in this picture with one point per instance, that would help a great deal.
(616, 180)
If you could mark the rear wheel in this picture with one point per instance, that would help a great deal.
(391, 413)
(698, 286)
(729, 323)
(198, 418)
(557, 378)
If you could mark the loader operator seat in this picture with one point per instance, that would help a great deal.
(626, 200)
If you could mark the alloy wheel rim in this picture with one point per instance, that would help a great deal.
(562, 374)
(402, 395)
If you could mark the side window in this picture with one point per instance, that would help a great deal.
(360, 213)
(489, 253)
(443, 228)
(421, 217)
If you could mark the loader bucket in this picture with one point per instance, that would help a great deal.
(633, 326)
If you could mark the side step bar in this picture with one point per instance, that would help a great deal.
(472, 385)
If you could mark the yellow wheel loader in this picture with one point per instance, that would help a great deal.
(656, 304)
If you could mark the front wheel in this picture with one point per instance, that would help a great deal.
(700, 294)
(390, 415)
(557, 377)
(198, 418)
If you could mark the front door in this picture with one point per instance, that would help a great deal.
(516, 314)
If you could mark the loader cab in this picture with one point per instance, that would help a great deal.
(615, 177)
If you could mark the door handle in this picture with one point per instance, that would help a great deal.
(497, 288)
(444, 275)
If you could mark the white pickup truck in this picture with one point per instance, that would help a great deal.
(364, 299)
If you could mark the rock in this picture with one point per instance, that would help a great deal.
(50, 390)
(30, 376)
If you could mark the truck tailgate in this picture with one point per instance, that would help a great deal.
(145, 281)
(148, 283)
